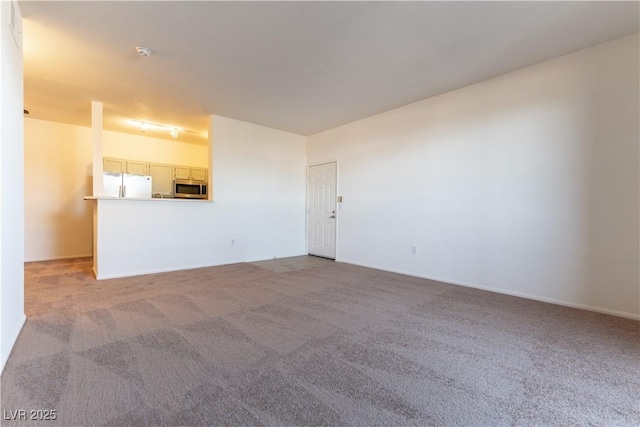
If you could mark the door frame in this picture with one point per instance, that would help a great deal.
(338, 206)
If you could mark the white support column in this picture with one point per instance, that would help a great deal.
(210, 157)
(96, 141)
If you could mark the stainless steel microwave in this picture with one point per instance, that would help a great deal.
(189, 189)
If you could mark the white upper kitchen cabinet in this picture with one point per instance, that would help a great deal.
(191, 172)
(198, 174)
(183, 172)
(110, 164)
(136, 167)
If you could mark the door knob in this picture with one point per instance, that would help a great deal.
(332, 216)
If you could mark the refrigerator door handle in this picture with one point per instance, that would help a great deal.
(120, 192)
(124, 191)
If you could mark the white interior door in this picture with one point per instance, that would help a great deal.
(322, 210)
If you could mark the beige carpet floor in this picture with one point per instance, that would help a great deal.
(307, 341)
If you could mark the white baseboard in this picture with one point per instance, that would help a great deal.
(438, 279)
(188, 267)
(58, 257)
(508, 292)
(156, 271)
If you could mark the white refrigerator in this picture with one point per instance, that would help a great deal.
(127, 185)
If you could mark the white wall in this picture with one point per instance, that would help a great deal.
(11, 188)
(525, 184)
(259, 203)
(58, 164)
(139, 147)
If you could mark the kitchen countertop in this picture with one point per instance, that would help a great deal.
(147, 199)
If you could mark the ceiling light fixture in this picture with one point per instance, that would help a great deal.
(144, 126)
(143, 51)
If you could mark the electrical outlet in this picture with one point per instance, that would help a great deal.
(414, 250)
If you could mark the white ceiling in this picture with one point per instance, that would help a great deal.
(302, 67)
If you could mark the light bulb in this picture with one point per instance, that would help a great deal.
(174, 133)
